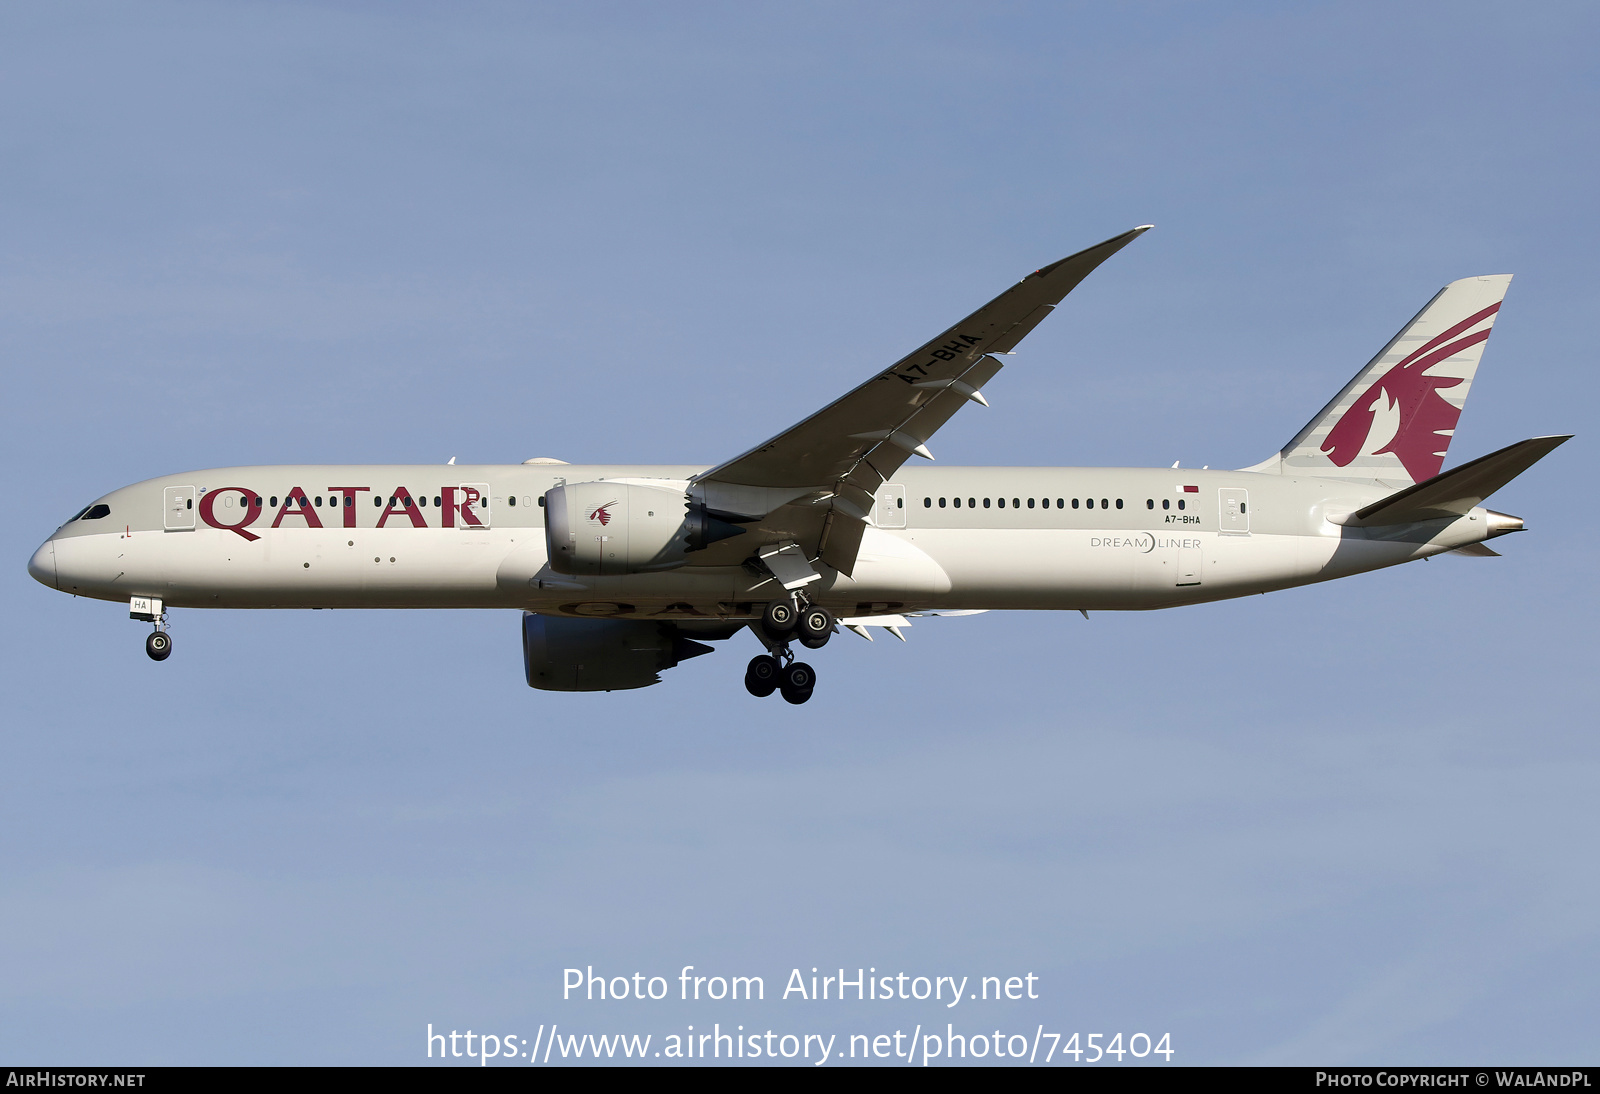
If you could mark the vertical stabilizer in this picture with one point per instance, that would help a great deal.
(1394, 421)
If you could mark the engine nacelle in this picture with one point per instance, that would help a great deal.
(561, 654)
(607, 528)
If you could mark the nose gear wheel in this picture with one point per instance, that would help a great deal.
(158, 645)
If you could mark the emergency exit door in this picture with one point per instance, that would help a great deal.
(1234, 506)
(472, 500)
(890, 511)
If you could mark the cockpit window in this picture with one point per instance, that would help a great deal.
(95, 512)
(78, 514)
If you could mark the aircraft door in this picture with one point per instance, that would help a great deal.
(1234, 506)
(472, 505)
(890, 510)
(177, 508)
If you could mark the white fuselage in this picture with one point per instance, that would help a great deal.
(1020, 538)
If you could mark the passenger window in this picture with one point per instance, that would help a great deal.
(941, 503)
(1030, 503)
(1149, 503)
(957, 502)
(96, 512)
(972, 503)
(1104, 504)
(1001, 502)
(1074, 503)
(377, 503)
(1119, 503)
(274, 501)
(1242, 508)
(1016, 503)
(1088, 503)
(927, 503)
(986, 503)
(541, 501)
(1166, 503)
(512, 500)
(899, 503)
(1180, 503)
(1060, 504)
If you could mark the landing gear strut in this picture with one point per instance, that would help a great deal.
(777, 670)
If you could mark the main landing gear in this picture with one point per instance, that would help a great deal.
(777, 670)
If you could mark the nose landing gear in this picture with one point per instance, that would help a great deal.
(149, 609)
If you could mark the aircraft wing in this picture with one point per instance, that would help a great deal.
(814, 483)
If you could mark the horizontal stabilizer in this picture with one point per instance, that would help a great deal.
(1457, 491)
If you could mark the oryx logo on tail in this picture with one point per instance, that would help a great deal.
(602, 514)
(1403, 412)
(1396, 417)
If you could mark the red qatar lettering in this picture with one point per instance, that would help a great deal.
(400, 504)
(297, 505)
(208, 503)
(349, 493)
(451, 507)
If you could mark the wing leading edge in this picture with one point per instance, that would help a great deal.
(814, 483)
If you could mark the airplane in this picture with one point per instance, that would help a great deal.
(623, 571)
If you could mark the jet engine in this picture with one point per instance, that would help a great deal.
(561, 654)
(607, 528)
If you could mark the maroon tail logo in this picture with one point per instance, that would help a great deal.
(1413, 399)
(603, 514)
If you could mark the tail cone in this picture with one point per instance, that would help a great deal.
(1501, 523)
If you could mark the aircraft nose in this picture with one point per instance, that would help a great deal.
(42, 566)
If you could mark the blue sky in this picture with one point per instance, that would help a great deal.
(1345, 824)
